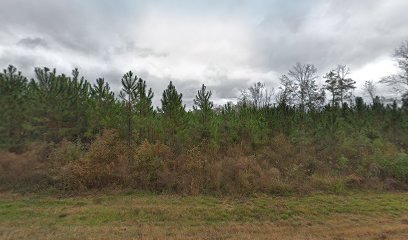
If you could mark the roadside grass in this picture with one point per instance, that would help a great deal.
(160, 215)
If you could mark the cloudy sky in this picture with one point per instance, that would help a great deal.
(226, 44)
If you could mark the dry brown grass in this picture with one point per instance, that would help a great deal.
(334, 228)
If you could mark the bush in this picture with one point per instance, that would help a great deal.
(186, 173)
(28, 169)
(282, 167)
(105, 164)
(245, 175)
(191, 168)
(66, 152)
(331, 184)
(150, 160)
(396, 167)
(293, 161)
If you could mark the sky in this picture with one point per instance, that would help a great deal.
(227, 45)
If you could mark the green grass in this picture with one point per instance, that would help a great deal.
(47, 212)
(96, 210)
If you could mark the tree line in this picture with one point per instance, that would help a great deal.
(52, 107)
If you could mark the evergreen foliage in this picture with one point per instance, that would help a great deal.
(300, 135)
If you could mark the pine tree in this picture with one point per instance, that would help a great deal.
(340, 85)
(128, 95)
(80, 89)
(144, 98)
(331, 86)
(13, 105)
(103, 104)
(172, 103)
(202, 102)
(59, 105)
(204, 107)
(173, 112)
(144, 109)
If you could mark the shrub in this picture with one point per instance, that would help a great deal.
(66, 152)
(105, 164)
(28, 169)
(280, 168)
(293, 161)
(191, 168)
(396, 167)
(331, 184)
(245, 175)
(186, 173)
(149, 162)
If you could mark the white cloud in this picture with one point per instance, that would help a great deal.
(374, 71)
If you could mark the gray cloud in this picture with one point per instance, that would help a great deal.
(348, 32)
(228, 45)
(131, 48)
(32, 42)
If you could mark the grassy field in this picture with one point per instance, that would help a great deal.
(148, 216)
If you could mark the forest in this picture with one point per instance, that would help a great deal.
(312, 134)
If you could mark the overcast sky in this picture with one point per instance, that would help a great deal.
(226, 44)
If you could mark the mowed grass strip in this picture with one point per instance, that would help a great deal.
(148, 208)
(149, 216)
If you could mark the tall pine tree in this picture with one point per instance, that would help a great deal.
(128, 95)
(204, 107)
(13, 106)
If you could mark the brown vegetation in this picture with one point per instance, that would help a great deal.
(280, 168)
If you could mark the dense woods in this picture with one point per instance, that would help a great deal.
(312, 134)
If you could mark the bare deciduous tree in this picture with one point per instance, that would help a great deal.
(345, 84)
(370, 89)
(340, 85)
(258, 95)
(300, 87)
(399, 82)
